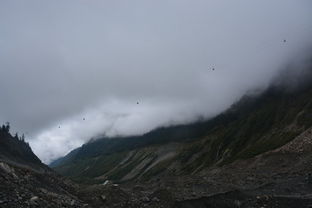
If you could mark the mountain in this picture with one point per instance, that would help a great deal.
(255, 154)
(15, 151)
(26, 182)
(252, 126)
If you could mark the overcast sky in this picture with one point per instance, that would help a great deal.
(65, 60)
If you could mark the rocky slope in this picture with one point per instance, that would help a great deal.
(277, 178)
(22, 187)
(253, 126)
(26, 182)
(16, 151)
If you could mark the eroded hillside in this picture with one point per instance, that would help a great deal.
(254, 125)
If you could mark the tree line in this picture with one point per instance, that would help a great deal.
(5, 128)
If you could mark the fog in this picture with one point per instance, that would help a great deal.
(76, 69)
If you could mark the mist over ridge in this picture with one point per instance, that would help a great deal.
(74, 70)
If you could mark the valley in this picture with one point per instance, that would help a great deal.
(256, 154)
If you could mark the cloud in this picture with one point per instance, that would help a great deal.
(61, 61)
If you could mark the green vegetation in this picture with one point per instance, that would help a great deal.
(250, 127)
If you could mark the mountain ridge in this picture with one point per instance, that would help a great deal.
(253, 125)
(16, 151)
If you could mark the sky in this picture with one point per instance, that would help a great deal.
(71, 70)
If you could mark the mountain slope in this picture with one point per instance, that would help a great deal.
(26, 182)
(15, 151)
(254, 125)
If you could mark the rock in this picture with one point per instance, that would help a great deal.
(103, 197)
(43, 190)
(138, 188)
(105, 183)
(73, 202)
(155, 199)
(34, 200)
(145, 199)
(237, 203)
(250, 178)
(6, 168)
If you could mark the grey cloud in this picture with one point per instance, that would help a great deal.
(61, 61)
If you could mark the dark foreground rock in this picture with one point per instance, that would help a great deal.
(237, 199)
(23, 187)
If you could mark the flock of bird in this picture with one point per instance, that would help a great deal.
(212, 69)
(85, 118)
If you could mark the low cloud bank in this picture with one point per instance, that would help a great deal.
(77, 69)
